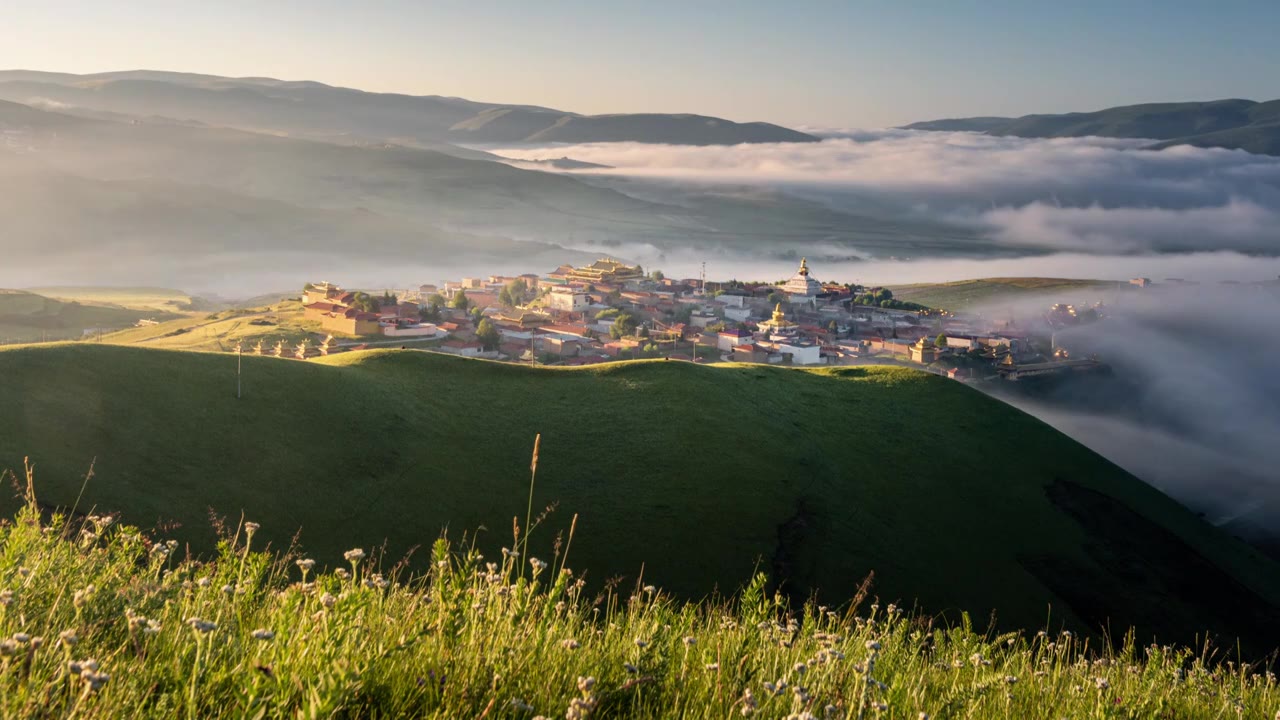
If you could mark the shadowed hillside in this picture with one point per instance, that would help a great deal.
(1233, 124)
(700, 474)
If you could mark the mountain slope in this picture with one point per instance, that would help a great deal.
(1234, 124)
(311, 108)
(700, 474)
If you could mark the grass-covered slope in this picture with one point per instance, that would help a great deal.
(1233, 124)
(28, 317)
(968, 294)
(701, 474)
(251, 635)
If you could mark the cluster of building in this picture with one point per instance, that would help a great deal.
(336, 311)
(610, 310)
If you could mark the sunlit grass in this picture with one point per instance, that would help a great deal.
(98, 620)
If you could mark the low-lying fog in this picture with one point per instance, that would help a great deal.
(1201, 410)
(1194, 403)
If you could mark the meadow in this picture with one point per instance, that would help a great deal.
(695, 477)
(962, 295)
(101, 620)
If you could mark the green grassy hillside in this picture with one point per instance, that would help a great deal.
(699, 474)
(967, 294)
(1232, 124)
(28, 317)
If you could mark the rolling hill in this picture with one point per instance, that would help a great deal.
(28, 317)
(311, 108)
(968, 294)
(1234, 124)
(699, 475)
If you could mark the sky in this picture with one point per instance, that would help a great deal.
(812, 63)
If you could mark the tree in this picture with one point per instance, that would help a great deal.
(460, 301)
(487, 335)
(776, 298)
(940, 341)
(615, 295)
(366, 302)
(477, 314)
(657, 276)
(623, 326)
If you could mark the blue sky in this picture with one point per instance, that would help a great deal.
(821, 63)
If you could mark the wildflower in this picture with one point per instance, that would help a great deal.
(631, 669)
(354, 556)
(305, 564)
(152, 628)
(650, 589)
(204, 582)
(95, 680)
(202, 626)
(68, 637)
(6, 597)
(1011, 679)
(800, 668)
(228, 589)
(975, 659)
(376, 581)
(690, 640)
(342, 573)
(328, 600)
(250, 528)
(640, 643)
(748, 703)
(873, 645)
(922, 716)
(262, 634)
(80, 597)
(538, 565)
(22, 638)
(569, 644)
(507, 552)
(713, 667)
(521, 705)
(1101, 683)
(586, 683)
(8, 647)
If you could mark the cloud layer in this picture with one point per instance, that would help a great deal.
(1090, 194)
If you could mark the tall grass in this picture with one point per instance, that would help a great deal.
(99, 621)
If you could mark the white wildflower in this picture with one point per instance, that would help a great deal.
(263, 634)
(569, 644)
(354, 555)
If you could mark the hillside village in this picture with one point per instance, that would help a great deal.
(609, 310)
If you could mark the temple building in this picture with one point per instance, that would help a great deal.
(778, 325)
(605, 271)
(923, 351)
(801, 286)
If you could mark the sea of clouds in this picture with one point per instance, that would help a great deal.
(1092, 195)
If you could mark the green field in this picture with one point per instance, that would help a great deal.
(28, 317)
(969, 294)
(138, 298)
(99, 622)
(223, 330)
(700, 475)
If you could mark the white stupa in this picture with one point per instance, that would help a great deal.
(801, 286)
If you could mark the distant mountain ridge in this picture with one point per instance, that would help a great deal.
(1233, 124)
(312, 108)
